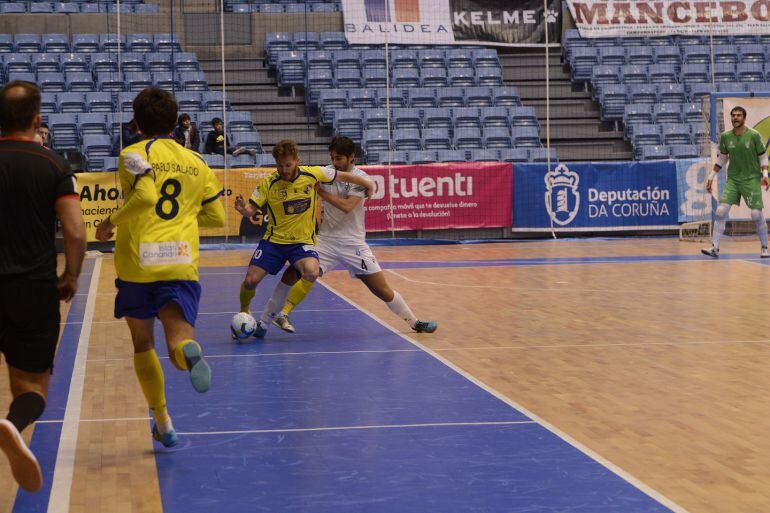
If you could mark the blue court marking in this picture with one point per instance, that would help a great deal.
(45, 438)
(404, 432)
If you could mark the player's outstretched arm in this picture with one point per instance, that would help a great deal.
(344, 176)
(74, 231)
(245, 208)
(212, 215)
(344, 204)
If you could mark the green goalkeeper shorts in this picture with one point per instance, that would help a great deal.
(750, 191)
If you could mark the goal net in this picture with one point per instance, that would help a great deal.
(698, 205)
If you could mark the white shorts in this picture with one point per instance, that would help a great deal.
(358, 259)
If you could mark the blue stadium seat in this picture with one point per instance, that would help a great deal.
(212, 100)
(466, 117)
(751, 72)
(757, 86)
(319, 80)
(485, 58)
(451, 156)
(654, 152)
(328, 101)
(140, 43)
(374, 143)
(99, 102)
(461, 77)
(613, 55)
(112, 43)
(497, 137)
(48, 103)
(396, 158)
(103, 62)
(684, 41)
(374, 78)
(110, 164)
(437, 118)
(692, 113)
(92, 123)
(675, 133)
(432, 58)
(347, 78)
(158, 62)
(248, 139)
(745, 39)
(634, 74)
(695, 73)
(405, 77)
(525, 137)
(51, 82)
(109, 81)
(193, 81)
(466, 138)
(524, 117)
(406, 139)
(349, 122)
(403, 59)
(543, 155)
(613, 101)
(132, 62)
(85, 43)
(582, 63)
(666, 113)
(489, 77)
(672, 93)
(406, 118)
(667, 55)
(27, 43)
(91, 8)
(71, 102)
(6, 43)
(307, 41)
(752, 53)
(373, 59)
(64, 131)
(515, 155)
(185, 61)
(451, 97)
(55, 43)
(320, 59)
(663, 74)
(24, 76)
(641, 55)
(483, 155)
(41, 8)
(363, 98)
(495, 117)
(13, 8)
(507, 96)
(725, 53)
(74, 62)
(433, 77)
(375, 119)
(333, 40)
(276, 41)
(436, 139)
(646, 135)
(323, 7)
(637, 113)
(725, 72)
(272, 9)
(457, 58)
(45, 62)
(346, 59)
(700, 133)
(730, 87)
(699, 90)
(240, 121)
(166, 80)
(422, 157)
(696, 54)
(422, 97)
(137, 81)
(167, 43)
(190, 101)
(18, 63)
(291, 68)
(685, 151)
(602, 76)
(397, 97)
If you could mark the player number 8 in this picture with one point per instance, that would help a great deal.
(168, 196)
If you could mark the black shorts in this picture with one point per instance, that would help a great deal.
(29, 323)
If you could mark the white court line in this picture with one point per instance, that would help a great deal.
(223, 313)
(260, 355)
(346, 428)
(553, 429)
(61, 487)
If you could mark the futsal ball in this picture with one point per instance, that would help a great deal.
(243, 325)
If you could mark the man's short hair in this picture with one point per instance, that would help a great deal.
(739, 109)
(43, 125)
(18, 111)
(215, 121)
(285, 148)
(155, 111)
(343, 146)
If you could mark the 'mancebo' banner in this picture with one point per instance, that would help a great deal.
(617, 18)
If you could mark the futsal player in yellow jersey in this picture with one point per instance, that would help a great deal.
(170, 192)
(290, 198)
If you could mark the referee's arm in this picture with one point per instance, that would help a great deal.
(71, 218)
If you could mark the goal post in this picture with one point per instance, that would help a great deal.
(697, 206)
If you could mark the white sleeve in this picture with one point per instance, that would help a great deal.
(330, 173)
(136, 164)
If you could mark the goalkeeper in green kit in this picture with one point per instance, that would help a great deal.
(743, 148)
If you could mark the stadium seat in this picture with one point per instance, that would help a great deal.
(433, 77)
(451, 156)
(374, 78)
(349, 122)
(139, 43)
(41, 8)
(212, 100)
(751, 53)
(422, 97)
(27, 43)
(109, 81)
(645, 134)
(654, 152)
(396, 158)
(241, 161)
(406, 139)
(48, 103)
(507, 96)
(346, 59)
(373, 59)
(322, 79)
(18, 63)
(667, 113)
(131, 62)
(396, 97)
(92, 123)
(240, 121)
(23, 76)
(437, 118)
(613, 55)
(193, 81)
(489, 76)
(374, 143)
(248, 139)
(467, 138)
(403, 59)
(432, 58)
(166, 80)
(672, 93)
(524, 117)
(725, 54)
(543, 155)
(685, 151)
(406, 118)
(185, 61)
(13, 8)
(55, 43)
(109, 164)
(99, 102)
(218, 161)
(422, 157)
(166, 43)
(6, 42)
(497, 137)
(582, 63)
(85, 43)
(51, 82)
(640, 55)
(675, 133)
(155, 62)
(71, 102)
(613, 100)
(363, 98)
(307, 41)
(451, 97)
(750, 72)
(637, 113)
(333, 40)
(137, 81)
(457, 58)
(695, 73)
(112, 43)
(483, 155)
(667, 55)
(495, 117)
(190, 101)
(515, 155)
(405, 77)
(466, 117)
(375, 119)
(699, 90)
(347, 78)
(663, 74)
(634, 74)
(103, 62)
(696, 54)
(436, 139)
(525, 137)
(328, 101)
(725, 72)
(64, 131)
(461, 77)
(485, 58)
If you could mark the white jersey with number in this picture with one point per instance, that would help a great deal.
(348, 228)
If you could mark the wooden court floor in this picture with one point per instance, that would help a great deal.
(657, 362)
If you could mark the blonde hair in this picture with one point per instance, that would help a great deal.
(286, 148)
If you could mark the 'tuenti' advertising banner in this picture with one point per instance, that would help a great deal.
(595, 196)
(440, 196)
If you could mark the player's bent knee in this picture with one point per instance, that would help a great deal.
(311, 275)
(756, 215)
(722, 211)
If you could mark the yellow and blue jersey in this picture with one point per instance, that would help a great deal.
(291, 205)
(163, 242)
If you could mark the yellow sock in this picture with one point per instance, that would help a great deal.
(178, 358)
(150, 376)
(246, 297)
(297, 293)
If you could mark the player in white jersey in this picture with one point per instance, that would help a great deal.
(342, 240)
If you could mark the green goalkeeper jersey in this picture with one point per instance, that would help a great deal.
(744, 151)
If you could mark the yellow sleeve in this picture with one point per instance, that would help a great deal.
(212, 215)
(259, 196)
(322, 174)
(212, 189)
(144, 196)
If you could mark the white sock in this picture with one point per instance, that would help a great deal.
(277, 300)
(165, 427)
(722, 215)
(399, 307)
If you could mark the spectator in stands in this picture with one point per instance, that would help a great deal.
(43, 133)
(215, 142)
(131, 135)
(186, 133)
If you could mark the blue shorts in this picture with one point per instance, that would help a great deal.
(271, 257)
(145, 300)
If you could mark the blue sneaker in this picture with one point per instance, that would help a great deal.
(260, 331)
(200, 372)
(169, 439)
(425, 326)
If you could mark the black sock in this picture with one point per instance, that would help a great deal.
(26, 409)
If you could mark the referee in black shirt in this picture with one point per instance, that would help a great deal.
(36, 187)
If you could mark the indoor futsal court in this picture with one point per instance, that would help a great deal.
(575, 375)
